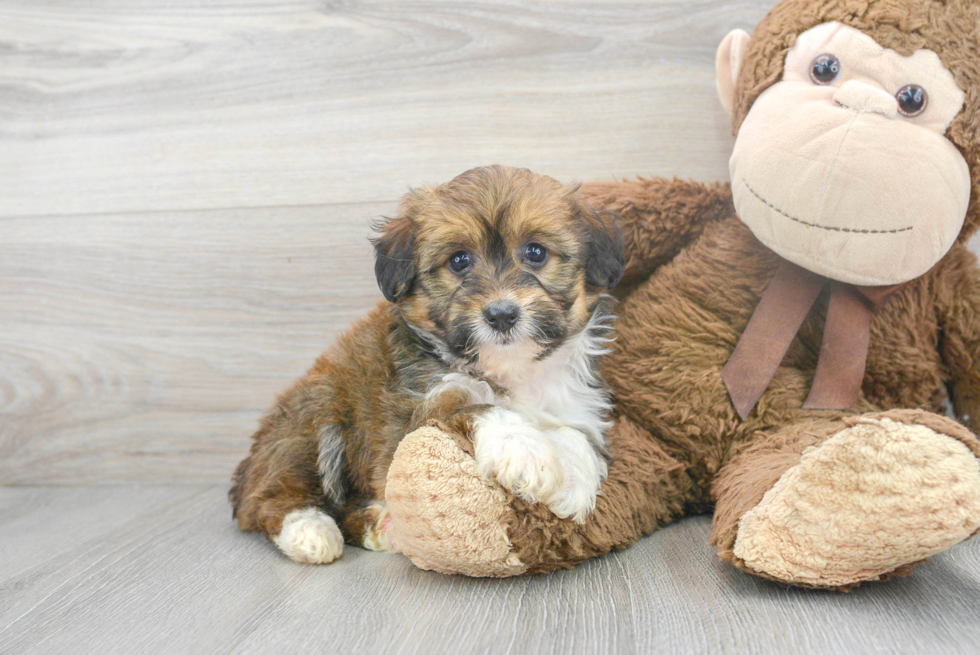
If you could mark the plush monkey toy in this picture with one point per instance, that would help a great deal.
(786, 342)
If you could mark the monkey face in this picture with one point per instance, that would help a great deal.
(842, 167)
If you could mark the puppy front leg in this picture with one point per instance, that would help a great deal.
(519, 456)
(584, 468)
(559, 468)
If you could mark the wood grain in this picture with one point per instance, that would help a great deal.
(185, 187)
(112, 106)
(163, 570)
(141, 347)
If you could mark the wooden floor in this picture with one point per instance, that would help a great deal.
(185, 193)
(162, 570)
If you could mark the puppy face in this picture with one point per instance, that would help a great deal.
(497, 258)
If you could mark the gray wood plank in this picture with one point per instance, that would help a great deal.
(113, 106)
(30, 516)
(171, 574)
(141, 342)
(142, 347)
(726, 611)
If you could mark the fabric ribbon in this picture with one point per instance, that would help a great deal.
(774, 324)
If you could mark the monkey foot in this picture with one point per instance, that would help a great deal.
(444, 516)
(876, 498)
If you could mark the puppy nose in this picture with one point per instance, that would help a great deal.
(501, 315)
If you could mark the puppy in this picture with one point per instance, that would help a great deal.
(496, 315)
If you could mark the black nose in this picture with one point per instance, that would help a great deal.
(501, 315)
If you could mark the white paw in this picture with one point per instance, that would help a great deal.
(584, 471)
(376, 536)
(310, 536)
(517, 455)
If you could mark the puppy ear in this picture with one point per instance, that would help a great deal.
(394, 251)
(604, 241)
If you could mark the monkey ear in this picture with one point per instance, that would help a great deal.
(606, 261)
(394, 253)
(728, 61)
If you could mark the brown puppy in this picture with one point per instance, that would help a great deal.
(496, 316)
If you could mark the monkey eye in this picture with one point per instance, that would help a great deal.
(825, 69)
(535, 254)
(459, 262)
(912, 100)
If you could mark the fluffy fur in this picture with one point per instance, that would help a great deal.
(694, 275)
(527, 392)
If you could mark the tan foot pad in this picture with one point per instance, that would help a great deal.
(874, 497)
(445, 517)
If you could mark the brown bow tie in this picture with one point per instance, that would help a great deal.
(775, 322)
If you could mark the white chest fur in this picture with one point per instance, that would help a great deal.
(562, 390)
(542, 440)
(559, 391)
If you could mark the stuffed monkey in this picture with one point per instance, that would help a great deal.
(786, 342)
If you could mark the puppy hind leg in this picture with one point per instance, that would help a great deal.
(288, 507)
(278, 491)
(366, 523)
(310, 536)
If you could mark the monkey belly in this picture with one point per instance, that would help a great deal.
(677, 330)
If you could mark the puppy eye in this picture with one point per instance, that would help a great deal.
(825, 69)
(535, 254)
(912, 100)
(459, 262)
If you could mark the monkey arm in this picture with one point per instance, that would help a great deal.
(959, 300)
(659, 216)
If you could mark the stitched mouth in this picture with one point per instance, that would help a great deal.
(817, 225)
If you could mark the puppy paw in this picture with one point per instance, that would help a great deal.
(517, 455)
(575, 500)
(584, 472)
(377, 536)
(310, 536)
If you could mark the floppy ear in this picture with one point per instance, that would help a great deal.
(394, 254)
(606, 259)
